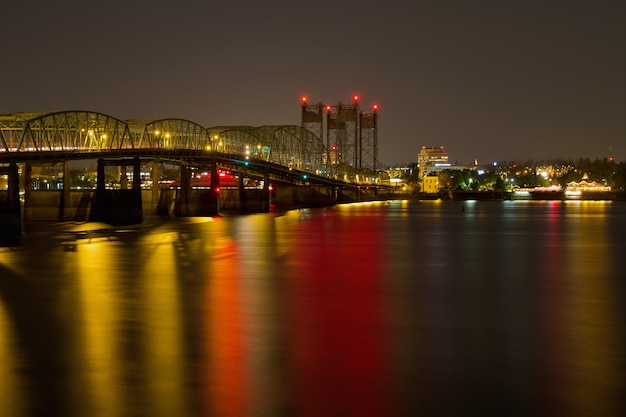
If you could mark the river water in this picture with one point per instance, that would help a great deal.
(513, 308)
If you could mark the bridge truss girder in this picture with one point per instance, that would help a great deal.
(169, 134)
(85, 132)
(73, 130)
(288, 145)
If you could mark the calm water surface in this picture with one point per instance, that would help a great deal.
(381, 309)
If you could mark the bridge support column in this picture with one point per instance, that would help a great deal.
(265, 195)
(292, 196)
(10, 213)
(118, 206)
(28, 191)
(65, 196)
(182, 202)
(349, 194)
(214, 193)
(123, 177)
(156, 188)
(243, 198)
(197, 201)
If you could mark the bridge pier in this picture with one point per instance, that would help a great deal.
(357, 194)
(288, 196)
(242, 196)
(50, 203)
(152, 198)
(10, 212)
(197, 202)
(121, 206)
(65, 196)
(266, 196)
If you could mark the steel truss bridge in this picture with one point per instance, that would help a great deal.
(291, 150)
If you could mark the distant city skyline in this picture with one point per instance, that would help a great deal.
(488, 80)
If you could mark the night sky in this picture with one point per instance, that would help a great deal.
(489, 80)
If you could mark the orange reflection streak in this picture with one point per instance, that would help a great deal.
(225, 365)
(594, 348)
(337, 309)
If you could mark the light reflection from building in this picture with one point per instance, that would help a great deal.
(163, 361)
(336, 333)
(550, 332)
(592, 323)
(225, 379)
(261, 280)
(10, 383)
(100, 312)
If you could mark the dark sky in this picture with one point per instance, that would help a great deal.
(489, 80)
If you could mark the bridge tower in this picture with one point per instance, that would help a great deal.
(368, 139)
(312, 119)
(342, 124)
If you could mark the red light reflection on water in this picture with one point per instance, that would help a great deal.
(551, 331)
(338, 340)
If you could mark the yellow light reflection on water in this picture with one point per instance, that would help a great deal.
(95, 270)
(137, 309)
(10, 389)
(591, 316)
(160, 318)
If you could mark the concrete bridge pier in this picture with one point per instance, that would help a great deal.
(118, 206)
(246, 200)
(253, 200)
(182, 207)
(48, 204)
(213, 203)
(287, 196)
(242, 196)
(200, 202)
(266, 197)
(64, 212)
(10, 212)
(349, 194)
(151, 200)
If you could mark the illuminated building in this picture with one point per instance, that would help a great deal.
(430, 184)
(428, 156)
(432, 161)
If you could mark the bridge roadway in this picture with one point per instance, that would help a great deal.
(290, 188)
(278, 173)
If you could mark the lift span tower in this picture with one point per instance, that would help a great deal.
(351, 135)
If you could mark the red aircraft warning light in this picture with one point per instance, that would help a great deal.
(375, 107)
(328, 108)
(304, 99)
(355, 98)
